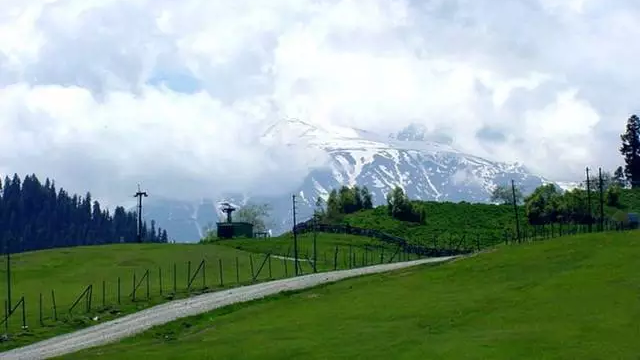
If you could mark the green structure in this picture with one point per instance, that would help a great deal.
(230, 229)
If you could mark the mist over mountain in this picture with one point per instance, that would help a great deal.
(421, 162)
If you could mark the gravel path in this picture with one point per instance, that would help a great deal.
(138, 322)
(291, 258)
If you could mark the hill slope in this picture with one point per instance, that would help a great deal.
(66, 273)
(59, 277)
(569, 298)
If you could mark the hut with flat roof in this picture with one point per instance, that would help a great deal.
(231, 229)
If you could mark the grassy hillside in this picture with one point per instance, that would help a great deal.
(485, 223)
(69, 271)
(571, 298)
(443, 221)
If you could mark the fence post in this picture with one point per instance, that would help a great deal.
(175, 279)
(237, 271)
(53, 301)
(147, 275)
(40, 310)
(188, 272)
(24, 315)
(86, 302)
(204, 275)
(221, 278)
(251, 267)
(382, 256)
(104, 290)
(286, 269)
(90, 298)
(133, 293)
(335, 259)
(6, 317)
(270, 273)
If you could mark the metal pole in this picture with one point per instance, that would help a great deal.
(515, 209)
(295, 236)
(139, 218)
(589, 199)
(315, 248)
(8, 246)
(601, 200)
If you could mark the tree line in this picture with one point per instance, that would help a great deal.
(348, 200)
(36, 216)
(548, 204)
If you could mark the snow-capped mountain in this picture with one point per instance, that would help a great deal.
(426, 166)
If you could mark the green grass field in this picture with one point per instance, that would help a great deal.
(67, 272)
(570, 298)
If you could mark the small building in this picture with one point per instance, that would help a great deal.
(228, 230)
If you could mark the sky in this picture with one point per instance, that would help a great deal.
(103, 94)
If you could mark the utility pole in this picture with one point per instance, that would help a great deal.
(315, 238)
(8, 256)
(589, 199)
(515, 209)
(139, 195)
(601, 200)
(295, 236)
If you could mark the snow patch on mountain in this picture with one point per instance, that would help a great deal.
(425, 169)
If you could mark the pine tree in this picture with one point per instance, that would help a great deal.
(618, 177)
(152, 233)
(34, 216)
(367, 200)
(630, 149)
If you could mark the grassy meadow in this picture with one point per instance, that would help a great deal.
(569, 298)
(67, 272)
(64, 274)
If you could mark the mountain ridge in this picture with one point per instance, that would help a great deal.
(423, 168)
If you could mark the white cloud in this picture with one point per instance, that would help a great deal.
(92, 93)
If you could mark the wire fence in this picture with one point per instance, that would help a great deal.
(108, 298)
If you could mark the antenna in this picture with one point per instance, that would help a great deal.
(227, 209)
(139, 195)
